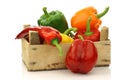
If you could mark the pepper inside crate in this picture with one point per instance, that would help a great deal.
(45, 57)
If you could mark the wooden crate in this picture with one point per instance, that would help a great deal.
(45, 57)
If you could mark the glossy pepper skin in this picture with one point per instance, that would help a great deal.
(55, 19)
(93, 35)
(80, 18)
(66, 38)
(81, 56)
(49, 34)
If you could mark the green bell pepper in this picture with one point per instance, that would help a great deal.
(55, 19)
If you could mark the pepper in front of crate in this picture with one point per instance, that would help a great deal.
(49, 34)
(81, 56)
(80, 18)
(55, 19)
(88, 34)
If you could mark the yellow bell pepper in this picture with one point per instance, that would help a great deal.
(66, 38)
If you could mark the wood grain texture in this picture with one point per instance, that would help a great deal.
(45, 57)
(34, 38)
(104, 33)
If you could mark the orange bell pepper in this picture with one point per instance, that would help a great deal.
(80, 18)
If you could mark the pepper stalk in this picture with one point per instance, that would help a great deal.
(80, 37)
(45, 11)
(55, 42)
(69, 30)
(103, 13)
(88, 31)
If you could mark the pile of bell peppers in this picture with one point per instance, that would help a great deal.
(53, 29)
(82, 55)
(87, 21)
(49, 34)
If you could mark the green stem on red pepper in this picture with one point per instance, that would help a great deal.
(103, 13)
(80, 37)
(49, 34)
(89, 34)
(55, 42)
(88, 31)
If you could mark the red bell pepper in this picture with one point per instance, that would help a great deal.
(49, 34)
(81, 56)
(25, 32)
(93, 35)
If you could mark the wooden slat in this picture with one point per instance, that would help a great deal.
(34, 38)
(104, 33)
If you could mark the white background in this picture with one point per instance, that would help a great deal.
(15, 13)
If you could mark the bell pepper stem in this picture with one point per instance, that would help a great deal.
(55, 42)
(80, 37)
(88, 31)
(45, 11)
(69, 30)
(103, 13)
